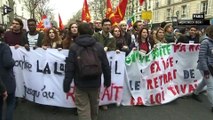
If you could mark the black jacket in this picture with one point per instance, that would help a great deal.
(71, 65)
(186, 39)
(40, 38)
(6, 68)
(2, 87)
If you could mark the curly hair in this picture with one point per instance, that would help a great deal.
(47, 40)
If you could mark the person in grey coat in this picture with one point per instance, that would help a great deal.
(8, 80)
(205, 65)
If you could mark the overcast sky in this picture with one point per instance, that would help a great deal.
(66, 8)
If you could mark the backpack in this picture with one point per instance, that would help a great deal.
(88, 62)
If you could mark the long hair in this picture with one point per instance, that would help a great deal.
(112, 31)
(68, 40)
(139, 35)
(47, 41)
(157, 39)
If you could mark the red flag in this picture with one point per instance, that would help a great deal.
(85, 16)
(121, 10)
(109, 13)
(61, 26)
(141, 2)
(40, 25)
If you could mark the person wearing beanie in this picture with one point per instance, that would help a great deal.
(169, 35)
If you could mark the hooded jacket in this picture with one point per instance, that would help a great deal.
(71, 71)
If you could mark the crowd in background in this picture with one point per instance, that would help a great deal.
(113, 38)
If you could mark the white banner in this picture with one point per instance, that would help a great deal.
(39, 76)
(168, 72)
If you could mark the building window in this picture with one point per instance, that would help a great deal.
(149, 7)
(168, 2)
(156, 15)
(204, 7)
(157, 4)
(184, 9)
(168, 14)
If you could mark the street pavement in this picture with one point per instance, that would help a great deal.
(184, 108)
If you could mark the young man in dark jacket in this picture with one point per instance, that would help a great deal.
(15, 37)
(34, 37)
(87, 90)
(8, 79)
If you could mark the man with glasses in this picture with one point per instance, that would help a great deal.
(97, 25)
(105, 37)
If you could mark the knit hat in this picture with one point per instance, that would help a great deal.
(167, 26)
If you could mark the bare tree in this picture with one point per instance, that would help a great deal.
(98, 7)
(38, 8)
(75, 17)
(31, 6)
(44, 9)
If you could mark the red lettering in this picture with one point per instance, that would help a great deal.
(140, 101)
(177, 89)
(71, 94)
(169, 76)
(167, 63)
(132, 101)
(191, 88)
(106, 93)
(174, 73)
(197, 48)
(155, 67)
(191, 48)
(171, 61)
(183, 48)
(176, 47)
(183, 88)
(158, 98)
(152, 99)
(171, 89)
(179, 48)
(117, 88)
(156, 82)
(165, 78)
(149, 84)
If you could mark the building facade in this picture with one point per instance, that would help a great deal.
(173, 10)
(19, 11)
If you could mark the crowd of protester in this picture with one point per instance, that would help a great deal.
(117, 38)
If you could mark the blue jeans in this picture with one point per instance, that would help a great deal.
(10, 106)
(209, 84)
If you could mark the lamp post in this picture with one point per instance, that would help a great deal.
(174, 21)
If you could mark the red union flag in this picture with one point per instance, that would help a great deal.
(85, 12)
(121, 10)
(109, 13)
(61, 26)
(141, 2)
(40, 25)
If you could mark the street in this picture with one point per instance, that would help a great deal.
(181, 109)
